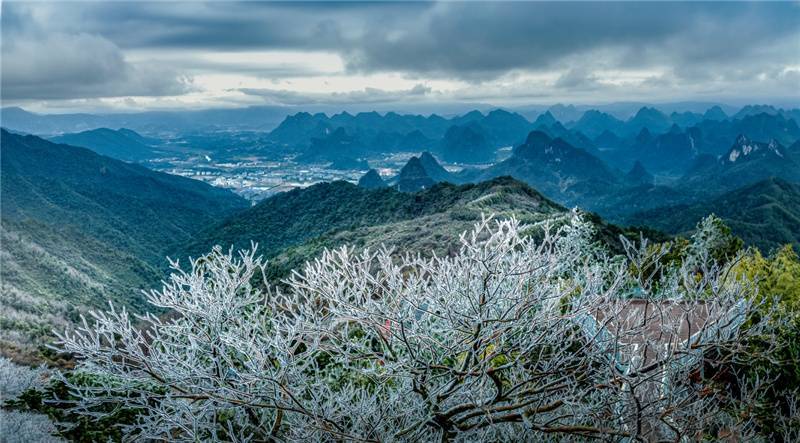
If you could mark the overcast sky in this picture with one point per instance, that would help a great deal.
(118, 55)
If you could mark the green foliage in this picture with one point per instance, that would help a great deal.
(608, 234)
(778, 281)
(711, 234)
(778, 277)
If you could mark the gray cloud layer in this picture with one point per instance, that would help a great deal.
(76, 49)
(366, 95)
(44, 63)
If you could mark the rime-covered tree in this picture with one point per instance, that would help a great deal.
(509, 339)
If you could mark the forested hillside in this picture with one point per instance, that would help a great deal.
(765, 214)
(294, 217)
(79, 229)
(297, 226)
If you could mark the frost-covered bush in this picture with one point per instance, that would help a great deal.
(15, 379)
(25, 427)
(510, 339)
(16, 426)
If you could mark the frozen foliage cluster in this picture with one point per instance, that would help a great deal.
(26, 427)
(18, 426)
(510, 339)
(15, 379)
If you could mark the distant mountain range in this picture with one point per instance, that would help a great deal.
(673, 151)
(576, 177)
(371, 180)
(638, 175)
(262, 118)
(80, 229)
(413, 177)
(466, 144)
(576, 156)
(470, 138)
(664, 144)
(765, 214)
(593, 123)
(552, 166)
(419, 172)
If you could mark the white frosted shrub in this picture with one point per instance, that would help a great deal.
(16, 426)
(507, 340)
(25, 427)
(15, 379)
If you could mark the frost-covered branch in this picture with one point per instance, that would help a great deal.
(509, 339)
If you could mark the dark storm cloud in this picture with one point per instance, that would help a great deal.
(490, 39)
(48, 63)
(460, 39)
(232, 25)
(473, 41)
(64, 66)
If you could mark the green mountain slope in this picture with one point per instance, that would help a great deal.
(765, 214)
(79, 229)
(296, 226)
(296, 216)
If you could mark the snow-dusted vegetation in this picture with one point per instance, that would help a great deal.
(26, 427)
(16, 426)
(509, 339)
(15, 379)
